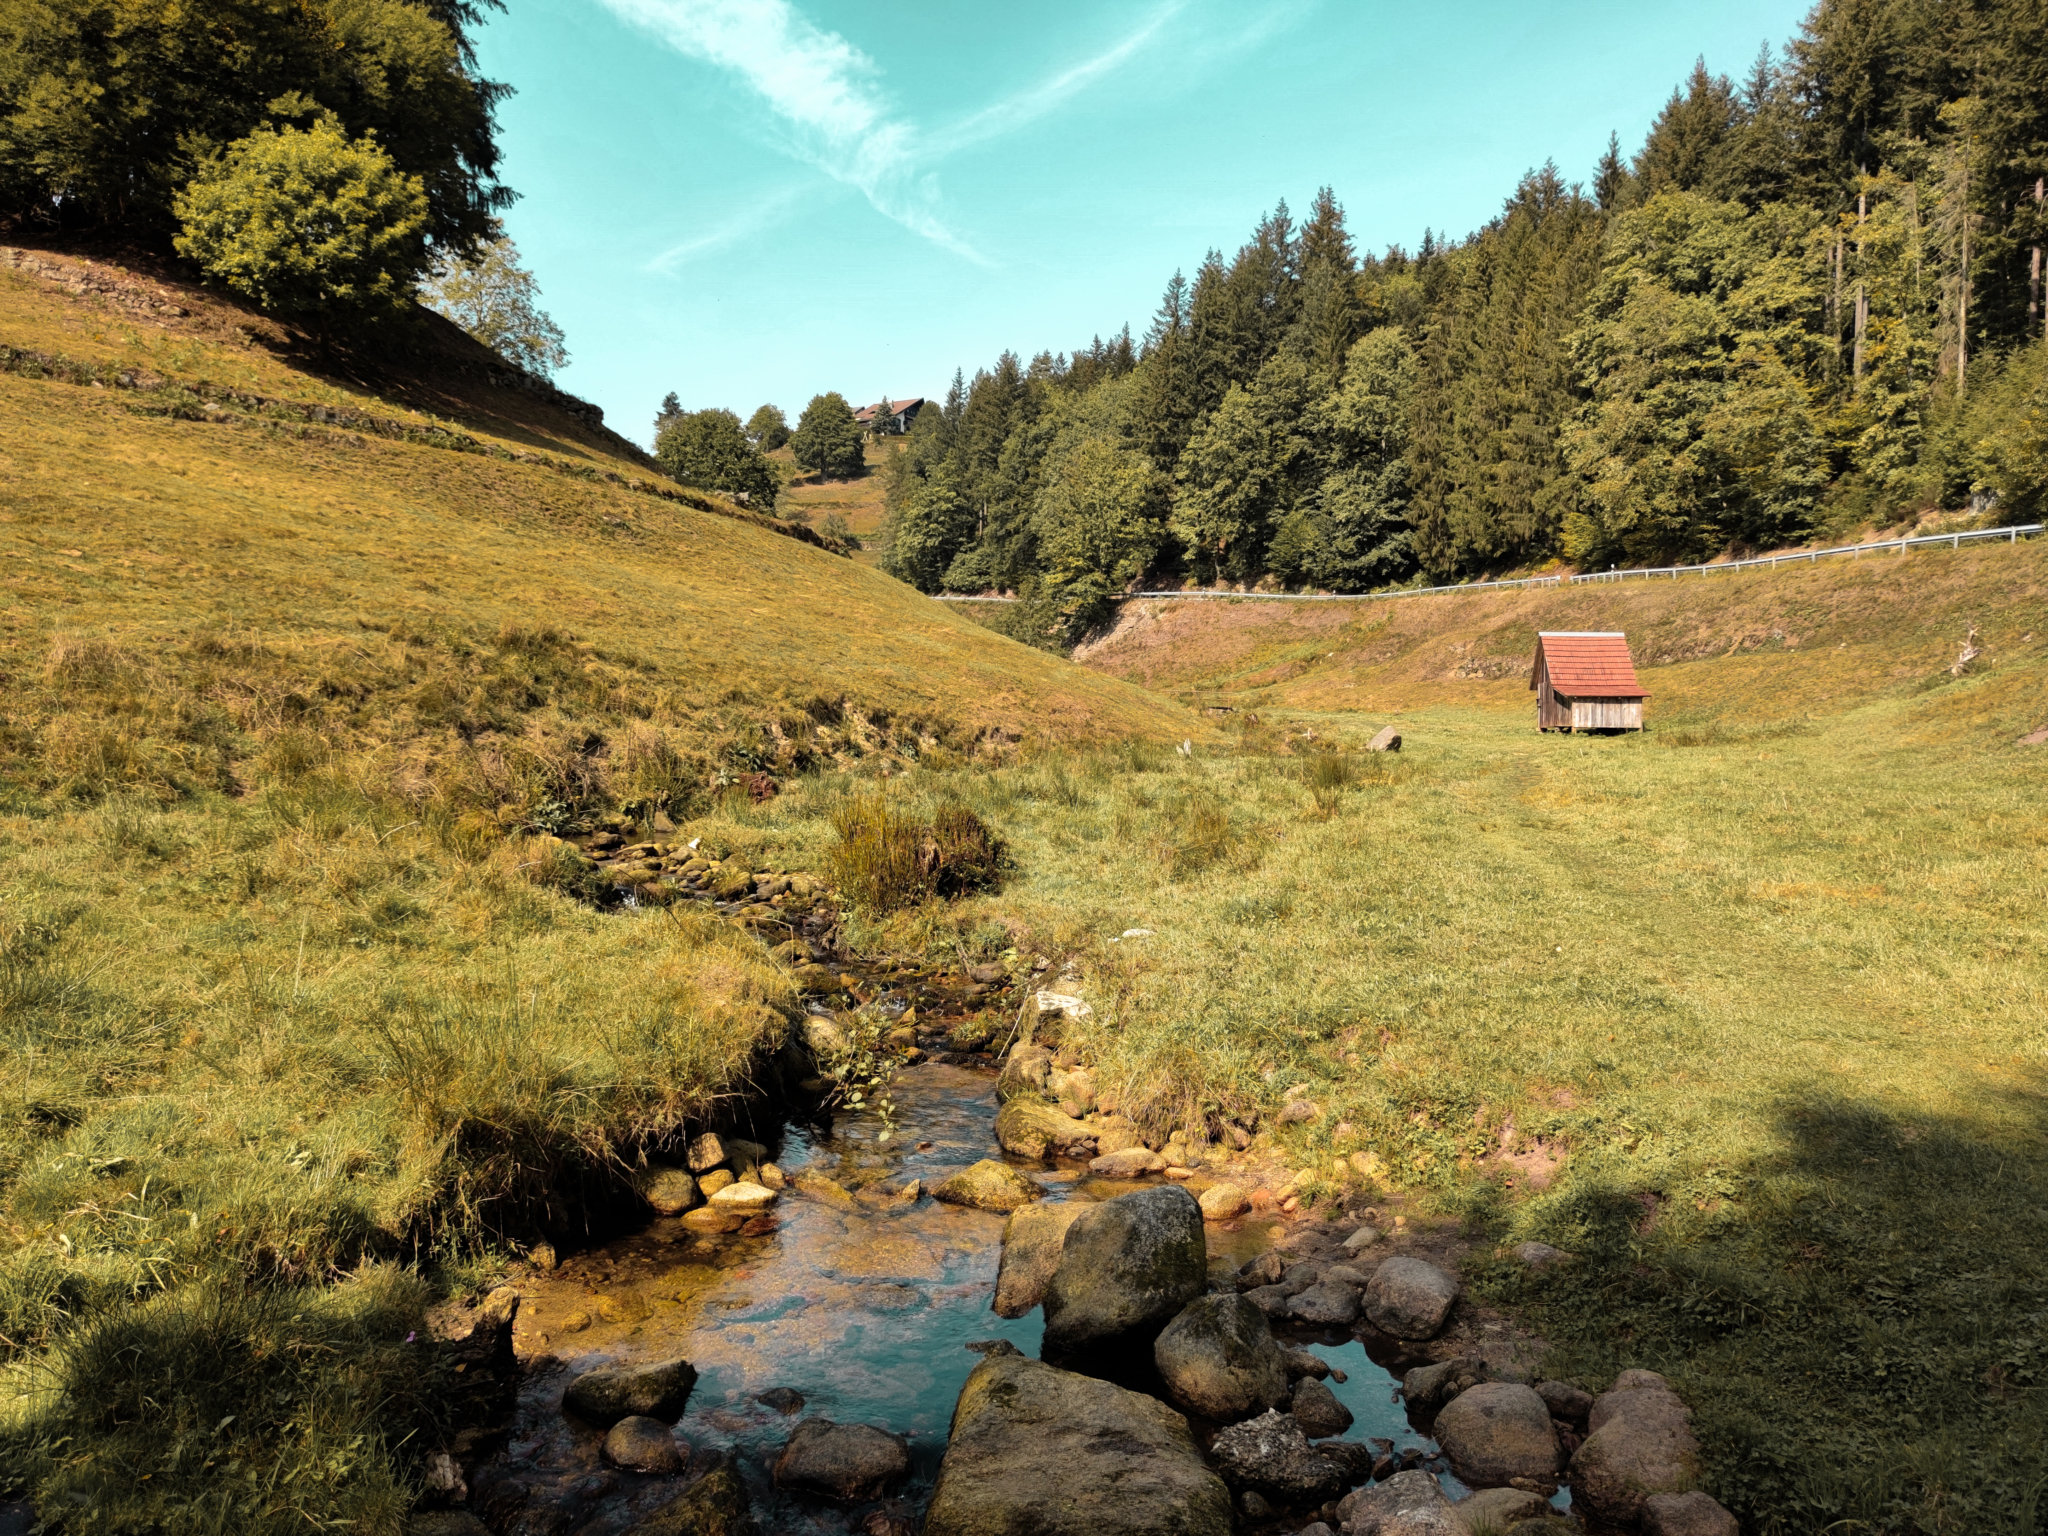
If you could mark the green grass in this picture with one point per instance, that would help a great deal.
(302, 1023)
(1751, 1018)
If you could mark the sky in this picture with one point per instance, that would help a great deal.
(749, 201)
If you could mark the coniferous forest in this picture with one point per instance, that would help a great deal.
(1811, 303)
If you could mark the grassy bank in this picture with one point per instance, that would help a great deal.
(1752, 1019)
(299, 1026)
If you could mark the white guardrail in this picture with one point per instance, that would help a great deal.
(1652, 573)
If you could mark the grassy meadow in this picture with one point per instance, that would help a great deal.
(861, 503)
(1750, 1015)
(303, 1026)
(301, 1023)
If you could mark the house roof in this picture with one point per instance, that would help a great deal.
(1586, 665)
(896, 407)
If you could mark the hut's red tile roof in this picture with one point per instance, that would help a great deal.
(1589, 666)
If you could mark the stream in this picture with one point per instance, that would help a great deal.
(864, 1306)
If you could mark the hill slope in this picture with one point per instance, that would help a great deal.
(305, 533)
(1762, 645)
(299, 652)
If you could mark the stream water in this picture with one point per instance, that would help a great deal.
(864, 1306)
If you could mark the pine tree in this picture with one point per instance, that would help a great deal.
(1686, 143)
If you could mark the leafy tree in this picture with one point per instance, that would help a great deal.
(928, 530)
(493, 298)
(710, 449)
(1697, 353)
(107, 111)
(1244, 470)
(306, 222)
(1100, 516)
(827, 440)
(1364, 495)
(768, 427)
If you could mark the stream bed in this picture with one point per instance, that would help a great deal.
(863, 1304)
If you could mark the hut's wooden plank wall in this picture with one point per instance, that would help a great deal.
(1607, 715)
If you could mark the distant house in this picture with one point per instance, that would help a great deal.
(898, 415)
(1586, 682)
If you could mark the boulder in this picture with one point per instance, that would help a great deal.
(743, 1199)
(1223, 1202)
(671, 1191)
(1428, 1387)
(715, 1505)
(1271, 1456)
(706, 1152)
(1266, 1269)
(988, 1186)
(1026, 1070)
(1407, 1504)
(1032, 1240)
(1045, 1451)
(849, 1462)
(1115, 1138)
(1410, 1298)
(1300, 1362)
(1027, 1128)
(643, 1445)
(1326, 1304)
(1686, 1514)
(1567, 1403)
(657, 1391)
(1497, 1432)
(1361, 1240)
(1540, 1255)
(1127, 1266)
(1387, 740)
(1296, 1111)
(1316, 1409)
(1497, 1509)
(1219, 1360)
(711, 1183)
(1639, 1444)
(1270, 1299)
(1131, 1163)
(784, 1400)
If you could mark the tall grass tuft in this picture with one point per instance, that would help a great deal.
(885, 859)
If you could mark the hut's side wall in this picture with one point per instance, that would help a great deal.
(1607, 714)
(1552, 713)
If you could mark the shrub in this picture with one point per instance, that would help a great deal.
(307, 222)
(884, 859)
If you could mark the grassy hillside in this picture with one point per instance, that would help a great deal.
(1746, 645)
(813, 500)
(303, 654)
(1749, 1012)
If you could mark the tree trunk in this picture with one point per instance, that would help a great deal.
(1862, 290)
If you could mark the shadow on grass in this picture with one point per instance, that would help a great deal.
(1859, 1318)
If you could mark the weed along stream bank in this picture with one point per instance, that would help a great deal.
(981, 1302)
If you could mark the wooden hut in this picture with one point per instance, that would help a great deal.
(1586, 682)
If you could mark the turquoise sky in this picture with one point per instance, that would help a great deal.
(749, 200)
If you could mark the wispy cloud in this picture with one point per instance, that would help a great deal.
(824, 91)
(826, 98)
(1048, 96)
(743, 225)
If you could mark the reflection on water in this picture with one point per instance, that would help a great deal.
(863, 1303)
